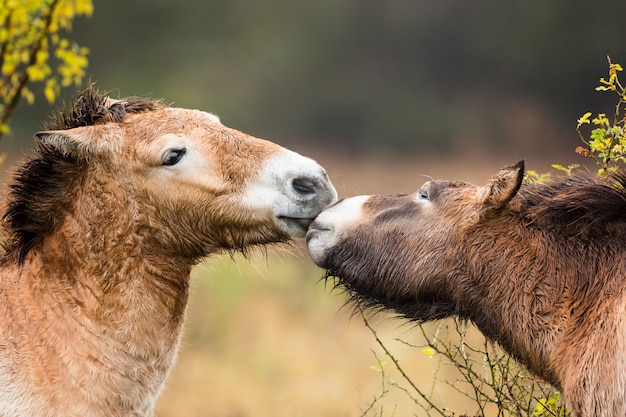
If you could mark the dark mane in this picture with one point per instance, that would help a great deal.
(41, 190)
(40, 194)
(91, 107)
(583, 204)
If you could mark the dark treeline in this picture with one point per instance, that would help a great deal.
(401, 74)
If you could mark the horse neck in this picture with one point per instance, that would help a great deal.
(103, 257)
(98, 312)
(519, 297)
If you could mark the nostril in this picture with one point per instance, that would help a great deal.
(305, 186)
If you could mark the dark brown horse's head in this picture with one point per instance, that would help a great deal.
(403, 251)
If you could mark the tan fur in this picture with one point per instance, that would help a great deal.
(94, 282)
(540, 270)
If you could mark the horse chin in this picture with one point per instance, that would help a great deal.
(316, 240)
(295, 227)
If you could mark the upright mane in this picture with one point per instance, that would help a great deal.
(584, 204)
(41, 189)
(92, 107)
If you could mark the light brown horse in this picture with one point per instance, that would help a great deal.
(538, 268)
(106, 220)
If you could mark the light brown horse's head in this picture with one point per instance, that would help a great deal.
(106, 219)
(196, 185)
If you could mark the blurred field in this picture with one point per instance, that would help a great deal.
(265, 337)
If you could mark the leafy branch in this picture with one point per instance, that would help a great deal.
(606, 143)
(485, 375)
(32, 50)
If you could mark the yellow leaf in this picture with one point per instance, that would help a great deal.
(428, 351)
(584, 119)
(84, 7)
(28, 96)
(34, 73)
(541, 408)
(378, 368)
(49, 93)
(41, 56)
(8, 68)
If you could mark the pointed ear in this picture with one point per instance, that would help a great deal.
(79, 142)
(503, 186)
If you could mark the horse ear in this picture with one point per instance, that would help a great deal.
(503, 186)
(77, 142)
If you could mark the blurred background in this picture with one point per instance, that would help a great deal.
(379, 92)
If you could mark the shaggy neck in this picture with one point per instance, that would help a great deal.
(519, 298)
(101, 239)
(117, 304)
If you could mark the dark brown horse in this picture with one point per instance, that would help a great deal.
(104, 223)
(538, 268)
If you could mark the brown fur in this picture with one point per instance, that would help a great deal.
(540, 270)
(95, 275)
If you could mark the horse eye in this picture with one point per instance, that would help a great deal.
(172, 156)
(423, 193)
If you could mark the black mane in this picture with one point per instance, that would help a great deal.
(41, 190)
(583, 204)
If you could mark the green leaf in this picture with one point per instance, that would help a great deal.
(598, 135)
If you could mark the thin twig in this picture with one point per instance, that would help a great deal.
(397, 364)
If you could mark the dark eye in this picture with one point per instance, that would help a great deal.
(423, 193)
(172, 156)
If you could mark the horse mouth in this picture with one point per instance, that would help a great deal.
(296, 225)
(315, 229)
